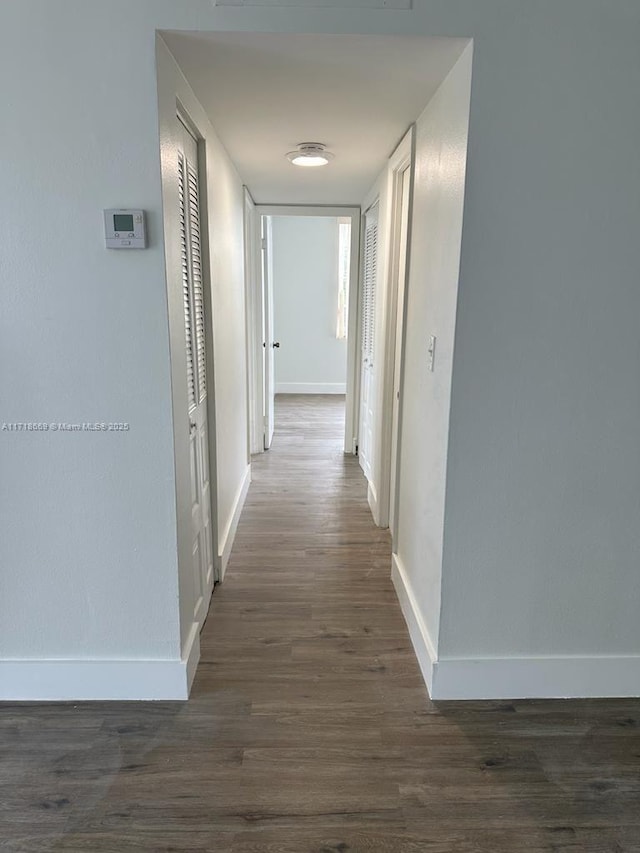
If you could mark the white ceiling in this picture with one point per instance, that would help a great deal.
(265, 93)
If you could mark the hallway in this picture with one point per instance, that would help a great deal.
(309, 729)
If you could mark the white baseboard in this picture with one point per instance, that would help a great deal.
(100, 680)
(229, 535)
(538, 678)
(311, 387)
(422, 643)
(570, 677)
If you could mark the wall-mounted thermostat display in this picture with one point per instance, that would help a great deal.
(125, 229)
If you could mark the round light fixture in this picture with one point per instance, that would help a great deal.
(310, 154)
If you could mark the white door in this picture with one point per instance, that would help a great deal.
(269, 344)
(397, 368)
(195, 329)
(367, 340)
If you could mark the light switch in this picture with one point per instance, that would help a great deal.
(431, 352)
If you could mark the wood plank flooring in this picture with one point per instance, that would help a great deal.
(309, 729)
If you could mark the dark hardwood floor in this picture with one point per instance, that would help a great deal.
(309, 729)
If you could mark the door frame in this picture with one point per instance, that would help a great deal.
(401, 159)
(256, 310)
(255, 350)
(268, 346)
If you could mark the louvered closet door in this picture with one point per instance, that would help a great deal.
(367, 340)
(195, 338)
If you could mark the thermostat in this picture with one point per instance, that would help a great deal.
(125, 229)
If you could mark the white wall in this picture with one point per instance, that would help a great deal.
(543, 484)
(305, 291)
(89, 542)
(431, 296)
(542, 536)
(88, 545)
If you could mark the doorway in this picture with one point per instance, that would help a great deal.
(243, 325)
(302, 304)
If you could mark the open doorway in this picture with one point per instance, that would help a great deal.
(310, 269)
(304, 299)
(309, 283)
(248, 129)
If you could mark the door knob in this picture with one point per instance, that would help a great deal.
(276, 344)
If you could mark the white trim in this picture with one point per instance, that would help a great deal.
(420, 638)
(226, 542)
(395, 296)
(255, 350)
(332, 210)
(352, 408)
(569, 677)
(267, 330)
(101, 680)
(311, 388)
(355, 332)
(374, 193)
(257, 345)
(353, 359)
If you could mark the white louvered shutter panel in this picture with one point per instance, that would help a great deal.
(188, 317)
(198, 287)
(369, 284)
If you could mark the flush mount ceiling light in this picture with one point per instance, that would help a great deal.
(310, 154)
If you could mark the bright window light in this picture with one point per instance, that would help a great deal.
(344, 269)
